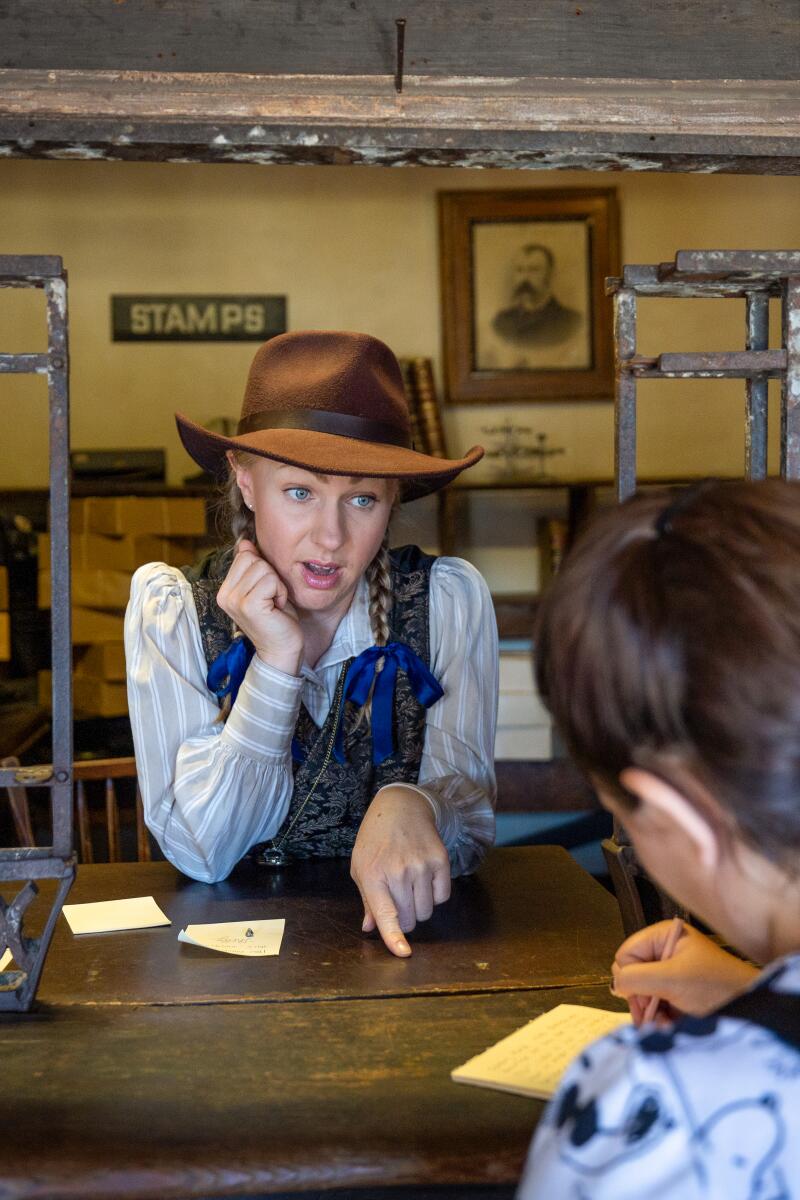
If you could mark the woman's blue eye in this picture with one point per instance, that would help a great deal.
(363, 501)
(298, 493)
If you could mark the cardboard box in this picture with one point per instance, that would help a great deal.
(103, 661)
(92, 550)
(44, 681)
(521, 708)
(172, 516)
(98, 698)
(3, 589)
(90, 625)
(93, 588)
(5, 637)
(534, 741)
(515, 671)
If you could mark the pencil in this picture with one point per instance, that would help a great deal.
(673, 937)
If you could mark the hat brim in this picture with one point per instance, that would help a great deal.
(327, 454)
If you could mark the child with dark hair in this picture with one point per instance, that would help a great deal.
(668, 651)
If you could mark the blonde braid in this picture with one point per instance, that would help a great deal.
(379, 581)
(235, 517)
(381, 599)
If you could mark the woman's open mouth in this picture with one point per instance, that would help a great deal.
(321, 575)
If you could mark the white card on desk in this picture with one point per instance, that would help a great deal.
(252, 938)
(109, 916)
(7, 958)
(531, 1060)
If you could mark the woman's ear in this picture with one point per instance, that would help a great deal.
(244, 480)
(663, 800)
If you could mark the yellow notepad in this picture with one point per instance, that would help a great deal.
(531, 1060)
(112, 916)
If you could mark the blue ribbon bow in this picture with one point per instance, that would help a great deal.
(226, 673)
(228, 669)
(362, 672)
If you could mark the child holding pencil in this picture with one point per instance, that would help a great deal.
(668, 651)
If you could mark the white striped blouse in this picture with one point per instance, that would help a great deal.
(211, 791)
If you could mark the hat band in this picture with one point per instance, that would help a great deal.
(320, 421)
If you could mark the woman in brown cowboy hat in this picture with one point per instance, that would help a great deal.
(308, 692)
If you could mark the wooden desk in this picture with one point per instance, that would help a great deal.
(326, 1070)
(530, 918)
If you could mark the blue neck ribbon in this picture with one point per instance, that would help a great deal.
(360, 677)
(227, 671)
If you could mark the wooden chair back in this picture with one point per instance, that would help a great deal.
(106, 772)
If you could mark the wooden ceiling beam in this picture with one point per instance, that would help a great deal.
(748, 126)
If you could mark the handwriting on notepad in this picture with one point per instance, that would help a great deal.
(532, 1060)
(253, 939)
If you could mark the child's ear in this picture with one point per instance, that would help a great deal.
(661, 797)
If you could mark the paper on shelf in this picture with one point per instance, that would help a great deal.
(531, 1060)
(252, 938)
(109, 916)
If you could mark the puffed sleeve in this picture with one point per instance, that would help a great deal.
(457, 767)
(210, 790)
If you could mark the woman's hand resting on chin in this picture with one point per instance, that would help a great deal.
(256, 598)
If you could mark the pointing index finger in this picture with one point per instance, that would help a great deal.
(379, 900)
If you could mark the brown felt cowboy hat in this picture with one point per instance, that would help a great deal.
(332, 403)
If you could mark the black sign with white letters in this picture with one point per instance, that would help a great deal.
(197, 318)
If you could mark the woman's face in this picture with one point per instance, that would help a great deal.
(319, 532)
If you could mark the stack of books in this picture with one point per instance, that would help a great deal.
(426, 418)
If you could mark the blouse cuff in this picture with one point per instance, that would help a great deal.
(263, 719)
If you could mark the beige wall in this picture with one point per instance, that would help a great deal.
(351, 248)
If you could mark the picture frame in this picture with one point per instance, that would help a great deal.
(524, 311)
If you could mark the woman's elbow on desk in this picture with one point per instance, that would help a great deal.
(211, 867)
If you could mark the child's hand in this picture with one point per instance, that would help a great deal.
(256, 598)
(698, 978)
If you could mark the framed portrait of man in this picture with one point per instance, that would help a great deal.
(525, 316)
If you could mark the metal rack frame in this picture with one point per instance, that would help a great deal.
(57, 861)
(753, 275)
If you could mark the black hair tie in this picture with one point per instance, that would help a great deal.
(685, 498)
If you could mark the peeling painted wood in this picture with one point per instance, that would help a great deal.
(775, 263)
(652, 281)
(790, 389)
(546, 123)
(715, 364)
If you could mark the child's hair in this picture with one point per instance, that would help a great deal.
(671, 634)
(237, 517)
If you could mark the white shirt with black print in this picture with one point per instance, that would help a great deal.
(704, 1109)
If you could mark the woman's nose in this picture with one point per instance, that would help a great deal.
(329, 527)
